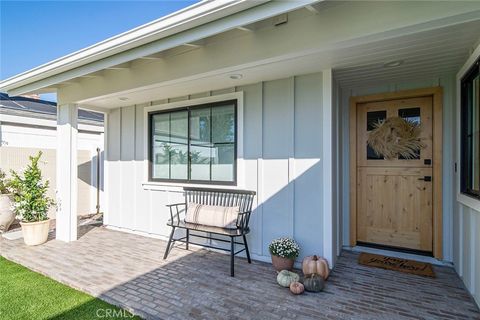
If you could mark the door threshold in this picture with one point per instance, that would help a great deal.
(400, 255)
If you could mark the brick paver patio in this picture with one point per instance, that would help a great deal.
(128, 270)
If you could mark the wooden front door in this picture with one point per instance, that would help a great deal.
(395, 197)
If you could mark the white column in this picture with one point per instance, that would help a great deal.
(327, 153)
(67, 172)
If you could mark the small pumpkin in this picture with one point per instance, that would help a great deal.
(285, 278)
(296, 288)
(315, 265)
(314, 283)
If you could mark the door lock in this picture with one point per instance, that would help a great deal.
(426, 178)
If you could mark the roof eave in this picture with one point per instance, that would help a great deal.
(182, 20)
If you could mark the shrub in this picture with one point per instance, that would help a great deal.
(30, 199)
(285, 248)
(4, 183)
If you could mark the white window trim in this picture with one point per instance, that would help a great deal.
(463, 198)
(177, 186)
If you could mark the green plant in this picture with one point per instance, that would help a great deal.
(25, 294)
(4, 183)
(285, 248)
(30, 199)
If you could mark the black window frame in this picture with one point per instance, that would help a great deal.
(465, 144)
(188, 109)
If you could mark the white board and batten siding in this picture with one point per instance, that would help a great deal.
(281, 134)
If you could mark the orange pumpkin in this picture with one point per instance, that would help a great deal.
(315, 265)
(296, 287)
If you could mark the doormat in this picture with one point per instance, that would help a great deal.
(396, 264)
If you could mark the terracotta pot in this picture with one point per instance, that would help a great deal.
(280, 263)
(35, 233)
(7, 216)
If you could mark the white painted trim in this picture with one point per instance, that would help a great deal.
(106, 172)
(327, 167)
(178, 187)
(461, 253)
(194, 23)
(473, 57)
(469, 201)
(149, 185)
(67, 172)
(462, 198)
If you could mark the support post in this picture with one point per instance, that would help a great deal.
(329, 221)
(67, 172)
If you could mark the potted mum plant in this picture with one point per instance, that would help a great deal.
(7, 216)
(30, 202)
(284, 251)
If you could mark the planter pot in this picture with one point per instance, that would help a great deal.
(35, 233)
(6, 213)
(280, 263)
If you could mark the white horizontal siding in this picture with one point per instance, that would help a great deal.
(282, 150)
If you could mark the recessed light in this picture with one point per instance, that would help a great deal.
(392, 64)
(123, 98)
(236, 76)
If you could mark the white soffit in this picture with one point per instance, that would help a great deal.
(433, 53)
(425, 54)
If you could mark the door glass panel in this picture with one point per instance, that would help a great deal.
(374, 117)
(412, 115)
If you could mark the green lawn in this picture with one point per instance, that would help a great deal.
(25, 294)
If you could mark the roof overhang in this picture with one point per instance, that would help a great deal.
(191, 24)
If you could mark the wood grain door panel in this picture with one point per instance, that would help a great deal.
(395, 207)
(394, 203)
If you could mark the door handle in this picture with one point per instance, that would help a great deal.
(426, 178)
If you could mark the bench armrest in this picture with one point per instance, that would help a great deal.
(176, 204)
(175, 211)
(243, 219)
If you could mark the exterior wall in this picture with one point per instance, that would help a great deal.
(282, 148)
(466, 247)
(19, 142)
(448, 84)
(466, 221)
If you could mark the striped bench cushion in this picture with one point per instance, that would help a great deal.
(215, 216)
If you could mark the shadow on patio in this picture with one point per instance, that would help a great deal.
(127, 270)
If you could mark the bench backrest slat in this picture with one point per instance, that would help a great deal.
(223, 197)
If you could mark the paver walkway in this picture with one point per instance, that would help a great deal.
(128, 270)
